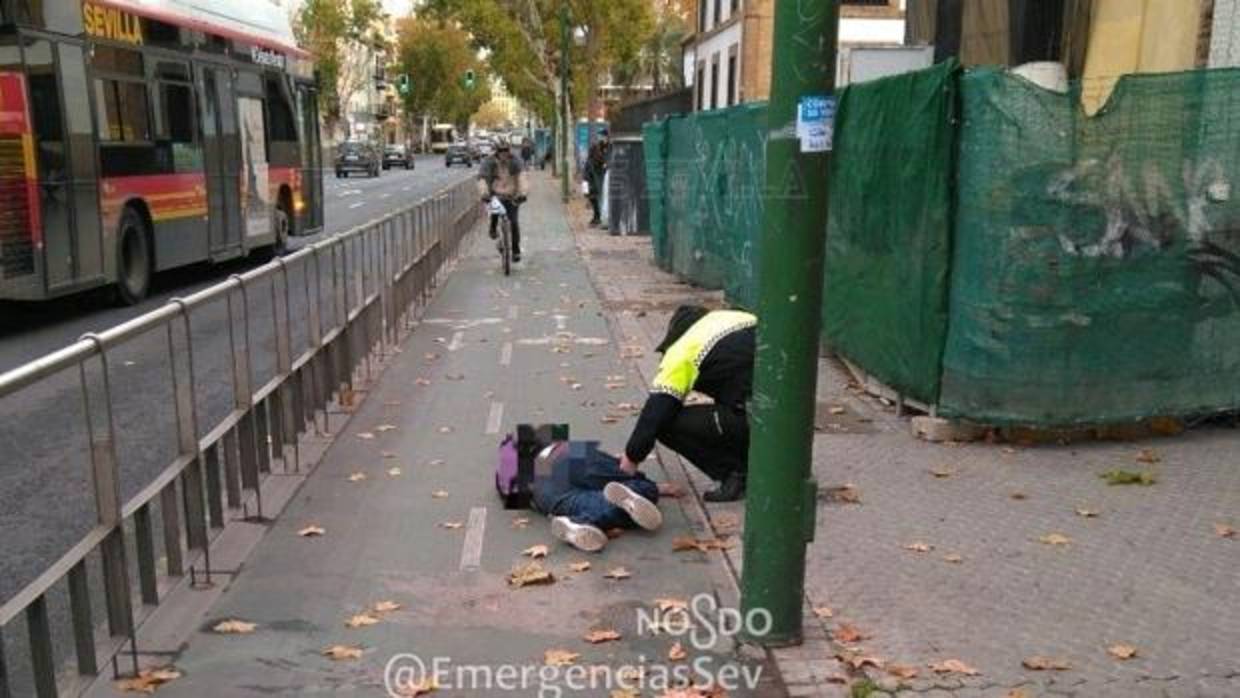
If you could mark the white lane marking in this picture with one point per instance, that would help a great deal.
(513, 312)
(561, 322)
(496, 418)
(568, 339)
(357, 205)
(458, 339)
(505, 355)
(350, 192)
(408, 188)
(471, 551)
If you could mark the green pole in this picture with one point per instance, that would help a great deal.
(781, 498)
(564, 137)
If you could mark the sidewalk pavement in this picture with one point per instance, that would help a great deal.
(1003, 557)
(405, 510)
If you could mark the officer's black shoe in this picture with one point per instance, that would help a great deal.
(732, 489)
(494, 234)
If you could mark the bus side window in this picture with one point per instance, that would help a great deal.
(180, 126)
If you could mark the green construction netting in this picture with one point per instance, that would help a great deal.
(706, 208)
(1096, 274)
(889, 231)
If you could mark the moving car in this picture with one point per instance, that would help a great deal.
(357, 156)
(458, 152)
(398, 156)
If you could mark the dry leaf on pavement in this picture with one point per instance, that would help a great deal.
(919, 547)
(1086, 513)
(445, 430)
(952, 666)
(536, 551)
(1128, 477)
(412, 689)
(361, 620)
(705, 545)
(451, 525)
(843, 494)
(439, 494)
(596, 637)
(382, 428)
(560, 657)
(341, 653)
(422, 381)
(311, 531)
(520, 522)
(943, 472)
(677, 652)
(903, 671)
(1019, 496)
(1224, 531)
(859, 661)
(836, 409)
(1040, 663)
(148, 680)
(1122, 651)
(365, 435)
(530, 574)
(234, 627)
(1055, 539)
(848, 634)
(824, 612)
(1017, 693)
(618, 573)
(357, 477)
(385, 607)
(393, 472)
(579, 566)
(1148, 455)
(953, 558)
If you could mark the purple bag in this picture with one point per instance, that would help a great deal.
(514, 471)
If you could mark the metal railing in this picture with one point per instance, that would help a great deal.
(371, 280)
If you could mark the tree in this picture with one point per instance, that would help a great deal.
(492, 116)
(337, 32)
(436, 55)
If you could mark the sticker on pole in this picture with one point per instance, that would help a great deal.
(816, 123)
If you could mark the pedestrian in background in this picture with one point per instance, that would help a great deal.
(596, 167)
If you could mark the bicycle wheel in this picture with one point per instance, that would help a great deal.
(505, 244)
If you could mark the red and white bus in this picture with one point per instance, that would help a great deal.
(142, 135)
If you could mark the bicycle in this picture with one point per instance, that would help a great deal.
(504, 244)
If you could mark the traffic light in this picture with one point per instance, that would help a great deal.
(469, 79)
(404, 85)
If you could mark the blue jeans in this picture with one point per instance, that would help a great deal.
(589, 507)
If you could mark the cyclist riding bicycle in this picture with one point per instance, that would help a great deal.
(503, 175)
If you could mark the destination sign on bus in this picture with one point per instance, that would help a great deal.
(262, 56)
(112, 24)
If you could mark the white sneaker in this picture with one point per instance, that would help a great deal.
(581, 536)
(641, 510)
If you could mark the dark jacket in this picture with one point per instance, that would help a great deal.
(574, 465)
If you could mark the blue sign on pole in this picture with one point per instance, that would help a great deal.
(816, 123)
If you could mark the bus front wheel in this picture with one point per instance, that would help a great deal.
(133, 268)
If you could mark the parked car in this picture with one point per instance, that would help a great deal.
(357, 156)
(486, 147)
(398, 156)
(458, 152)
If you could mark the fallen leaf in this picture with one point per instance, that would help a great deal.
(608, 419)
(445, 430)
(520, 522)
(859, 661)
(1039, 663)
(1016, 693)
(843, 494)
(388, 455)
(1122, 651)
(597, 637)
(421, 687)
(436, 461)
(536, 551)
(942, 472)
(705, 545)
(919, 547)
(1224, 531)
(361, 620)
(455, 376)
(848, 634)
(952, 666)
(451, 525)
(1086, 513)
(902, 671)
(148, 680)
(953, 558)
(836, 409)
(582, 566)
(382, 428)
(340, 653)
(530, 574)
(393, 472)
(726, 523)
(430, 356)
(824, 612)
(311, 531)
(234, 627)
(347, 397)
(439, 494)
(1148, 455)
(1055, 539)
(560, 657)
(1019, 496)
(677, 652)
(618, 573)
(385, 607)
(365, 436)
(623, 693)
(422, 381)
(1128, 477)
(357, 477)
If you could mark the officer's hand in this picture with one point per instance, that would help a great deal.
(521, 199)
(627, 465)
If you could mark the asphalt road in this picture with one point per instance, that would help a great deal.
(46, 500)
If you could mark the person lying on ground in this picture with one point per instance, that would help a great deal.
(586, 493)
(711, 352)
